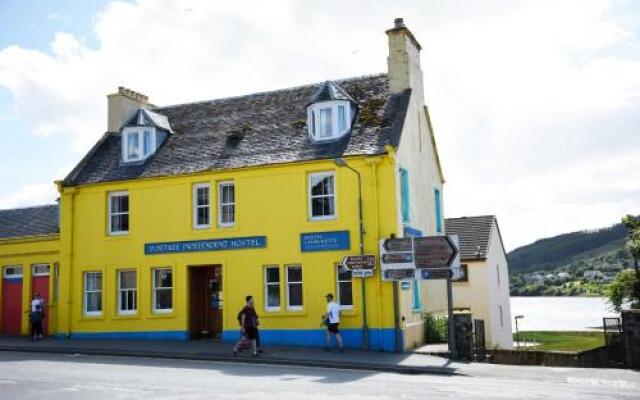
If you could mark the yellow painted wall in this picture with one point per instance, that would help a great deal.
(270, 201)
(26, 252)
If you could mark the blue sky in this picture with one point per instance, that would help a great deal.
(534, 103)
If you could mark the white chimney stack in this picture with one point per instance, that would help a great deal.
(122, 106)
(404, 60)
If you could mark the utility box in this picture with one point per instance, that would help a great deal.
(463, 328)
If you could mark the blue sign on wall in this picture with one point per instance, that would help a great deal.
(325, 241)
(412, 232)
(250, 242)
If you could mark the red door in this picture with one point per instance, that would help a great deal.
(12, 301)
(40, 285)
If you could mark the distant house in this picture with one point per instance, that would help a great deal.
(593, 275)
(563, 276)
(484, 285)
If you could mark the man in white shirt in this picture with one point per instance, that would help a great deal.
(332, 319)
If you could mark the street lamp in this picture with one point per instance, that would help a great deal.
(340, 162)
(517, 317)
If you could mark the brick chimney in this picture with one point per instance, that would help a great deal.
(404, 60)
(122, 106)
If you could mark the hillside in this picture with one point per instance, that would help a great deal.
(549, 253)
(572, 264)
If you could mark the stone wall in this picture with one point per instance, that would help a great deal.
(601, 357)
(631, 329)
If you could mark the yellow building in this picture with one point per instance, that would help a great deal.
(179, 212)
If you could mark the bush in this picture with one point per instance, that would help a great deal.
(435, 328)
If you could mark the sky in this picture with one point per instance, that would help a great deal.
(535, 104)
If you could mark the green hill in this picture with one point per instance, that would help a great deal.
(550, 253)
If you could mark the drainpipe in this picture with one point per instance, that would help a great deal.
(365, 329)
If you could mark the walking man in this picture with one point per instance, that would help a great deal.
(248, 327)
(36, 316)
(332, 319)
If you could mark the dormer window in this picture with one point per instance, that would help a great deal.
(138, 143)
(329, 120)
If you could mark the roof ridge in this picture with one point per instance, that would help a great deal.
(29, 207)
(472, 216)
(380, 74)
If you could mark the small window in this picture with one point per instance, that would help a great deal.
(118, 213)
(329, 120)
(272, 288)
(345, 288)
(438, 202)
(404, 195)
(417, 304)
(13, 271)
(40, 269)
(322, 195)
(201, 206)
(127, 292)
(93, 293)
(133, 147)
(226, 204)
(162, 290)
(465, 274)
(498, 273)
(294, 287)
(501, 317)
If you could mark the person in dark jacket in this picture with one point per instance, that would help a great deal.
(36, 316)
(248, 326)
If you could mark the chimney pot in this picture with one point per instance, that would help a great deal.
(398, 23)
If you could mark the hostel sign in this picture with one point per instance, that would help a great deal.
(188, 246)
(324, 241)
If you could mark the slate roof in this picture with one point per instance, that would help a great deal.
(31, 221)
(251, 130)
(474, 234)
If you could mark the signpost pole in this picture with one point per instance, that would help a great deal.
(452, 340)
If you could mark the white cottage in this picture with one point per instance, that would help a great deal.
(483, 288)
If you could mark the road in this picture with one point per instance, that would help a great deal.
(52, 377)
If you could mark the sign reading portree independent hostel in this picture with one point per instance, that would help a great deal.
(239, 243)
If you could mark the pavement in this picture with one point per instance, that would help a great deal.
(31, 376)
(210, 350)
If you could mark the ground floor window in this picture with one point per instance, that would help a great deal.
(127, 292)
(294, 287)
(93, 293)
(162, 290)
(272, 287)
(345, 288)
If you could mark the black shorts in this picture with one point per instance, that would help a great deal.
(251, 333)
(333, 328)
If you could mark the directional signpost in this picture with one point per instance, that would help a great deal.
(434, 252)
(367, 261)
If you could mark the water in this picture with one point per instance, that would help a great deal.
(559, 313)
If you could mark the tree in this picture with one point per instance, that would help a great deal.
(626, 286)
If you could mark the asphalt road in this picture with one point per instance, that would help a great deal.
(51, 377)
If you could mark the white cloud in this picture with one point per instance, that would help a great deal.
(522, 93)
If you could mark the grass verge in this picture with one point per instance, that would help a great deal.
(562, 341)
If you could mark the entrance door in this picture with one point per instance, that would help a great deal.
(40, 285)
(205, 310)
(11, 323)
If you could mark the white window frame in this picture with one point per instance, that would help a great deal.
(85, 292)
(266, 288)
(221, 185)
(154, 290)
(288, 283)
(134, 290)
(310, 197)
(338, 297)
(35, 266)
(196, 207)
(111, 213)
(139, 131)
(12, 275)
(313, 119)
